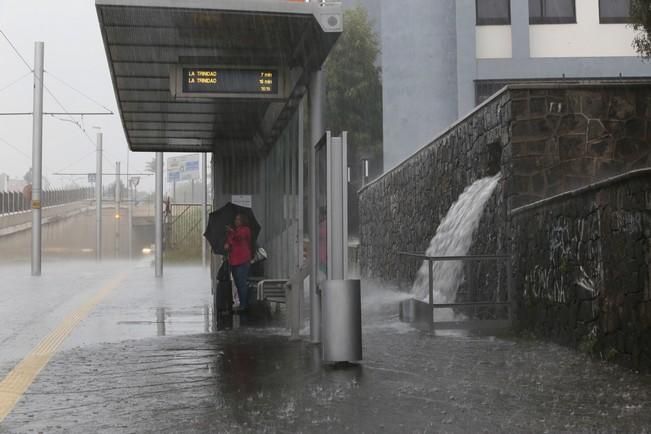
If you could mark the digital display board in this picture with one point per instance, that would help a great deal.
(230, 81)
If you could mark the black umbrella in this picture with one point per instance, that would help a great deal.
(225, 216)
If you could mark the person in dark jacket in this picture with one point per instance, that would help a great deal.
(238, 246)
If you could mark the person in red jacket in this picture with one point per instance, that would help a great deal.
(238, 246)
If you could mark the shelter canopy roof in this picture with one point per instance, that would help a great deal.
(149, 42)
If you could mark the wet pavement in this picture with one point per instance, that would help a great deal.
(148, 360)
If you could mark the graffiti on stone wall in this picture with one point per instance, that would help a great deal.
(571, 268)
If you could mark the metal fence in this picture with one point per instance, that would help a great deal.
(184, 229)
(13, 201)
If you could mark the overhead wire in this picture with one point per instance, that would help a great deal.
(53, 172)
(29, 157)
(79, 92)
(70, 119)
(16, 51)
(15, 148)
(56, 100)
(14, 82)
(75, 162)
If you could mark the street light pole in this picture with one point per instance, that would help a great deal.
(37, 157)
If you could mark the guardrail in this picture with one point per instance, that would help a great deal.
(467, 258)
(14, 201)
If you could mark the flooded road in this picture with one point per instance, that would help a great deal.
(74, 238)
(147, 359)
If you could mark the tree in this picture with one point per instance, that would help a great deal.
(151, 166)
(641, 13)
(28, 176)
(354, 90)
(354, 101)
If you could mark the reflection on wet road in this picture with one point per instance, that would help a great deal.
(148, 360)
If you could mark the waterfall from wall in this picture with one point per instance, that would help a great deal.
(453, 238)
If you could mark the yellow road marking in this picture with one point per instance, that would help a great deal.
(16, 383)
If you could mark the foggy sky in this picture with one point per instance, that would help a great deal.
(75, 53)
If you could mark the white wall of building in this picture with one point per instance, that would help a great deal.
(586, 38)
(493, 42)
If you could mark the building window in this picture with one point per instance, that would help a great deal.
(493, 12)
(552, 12)
(615, 11)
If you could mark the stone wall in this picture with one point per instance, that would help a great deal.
(581, 268)
(401, 210)
(565, 137)
(544, 139)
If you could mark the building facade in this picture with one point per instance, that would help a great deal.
(440, 59)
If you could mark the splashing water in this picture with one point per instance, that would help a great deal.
(454, 238)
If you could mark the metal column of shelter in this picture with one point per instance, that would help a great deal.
(204, 207)
(341, 321)
(317, 129)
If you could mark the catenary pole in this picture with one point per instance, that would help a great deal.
(117, 210)
(159, 214)
(98, 199)
(130, 211)
(37, 157)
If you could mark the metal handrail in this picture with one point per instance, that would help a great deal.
(466, 258)
(455, 258)
(472, 303)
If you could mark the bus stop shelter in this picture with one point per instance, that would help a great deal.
(241, 80)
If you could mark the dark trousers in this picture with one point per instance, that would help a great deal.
(240, 276)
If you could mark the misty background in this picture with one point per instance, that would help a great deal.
(78, 80)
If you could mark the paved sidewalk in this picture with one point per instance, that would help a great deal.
(255, 380)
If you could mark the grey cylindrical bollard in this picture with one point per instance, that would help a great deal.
(342, 321)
